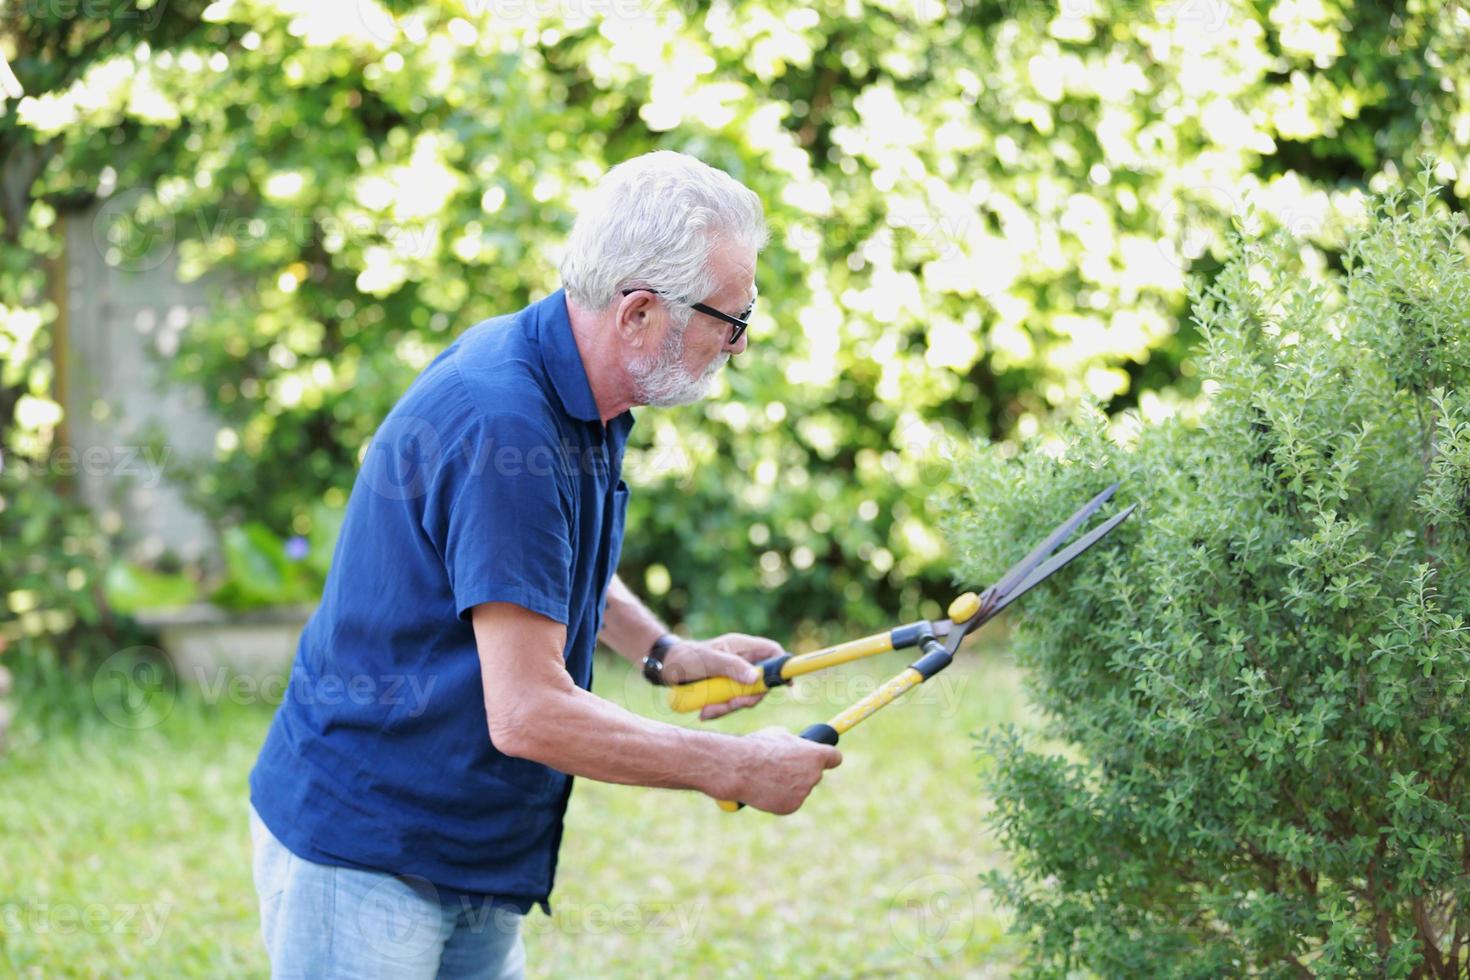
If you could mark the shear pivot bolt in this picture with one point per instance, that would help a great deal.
(964, 607)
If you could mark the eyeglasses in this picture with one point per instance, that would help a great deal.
(737, 323)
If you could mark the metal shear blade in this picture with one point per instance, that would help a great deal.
(1040, 564)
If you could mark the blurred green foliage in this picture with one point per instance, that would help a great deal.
(259, 569)
(52, 554)
(983, 212)
(1264, 673)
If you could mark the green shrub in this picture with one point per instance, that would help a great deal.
(1261, 679)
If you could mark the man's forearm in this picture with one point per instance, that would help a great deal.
(628, 627)
(583, 735)
(535, 711)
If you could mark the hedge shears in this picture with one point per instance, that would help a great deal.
(967, 613)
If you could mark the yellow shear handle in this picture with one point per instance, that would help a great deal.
(936, 657)
(829, 733)
(716, 690)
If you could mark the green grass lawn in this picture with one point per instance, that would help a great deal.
(126, 853)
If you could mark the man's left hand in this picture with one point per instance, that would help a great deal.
(730, 655)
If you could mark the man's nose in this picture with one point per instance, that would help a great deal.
(739, 346)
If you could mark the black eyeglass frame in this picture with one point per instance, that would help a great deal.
(738, 324)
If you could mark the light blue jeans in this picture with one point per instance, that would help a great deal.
(321, 921)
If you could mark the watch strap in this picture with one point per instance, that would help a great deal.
(653, 662)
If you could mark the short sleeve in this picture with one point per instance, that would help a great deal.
(499, 514)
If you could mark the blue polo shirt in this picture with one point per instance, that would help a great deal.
(492, 480)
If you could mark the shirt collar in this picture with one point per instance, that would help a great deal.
(562, 360)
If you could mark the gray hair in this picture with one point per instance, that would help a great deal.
(653, 221)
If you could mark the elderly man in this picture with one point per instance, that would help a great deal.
(407, 804)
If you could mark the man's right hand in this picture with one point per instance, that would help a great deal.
(782, 769)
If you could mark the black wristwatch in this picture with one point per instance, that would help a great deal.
(653, 663)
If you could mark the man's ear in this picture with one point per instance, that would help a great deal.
(636, 315)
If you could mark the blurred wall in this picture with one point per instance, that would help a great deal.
(129, 424)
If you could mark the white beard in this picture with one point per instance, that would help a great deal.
(662, 380)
